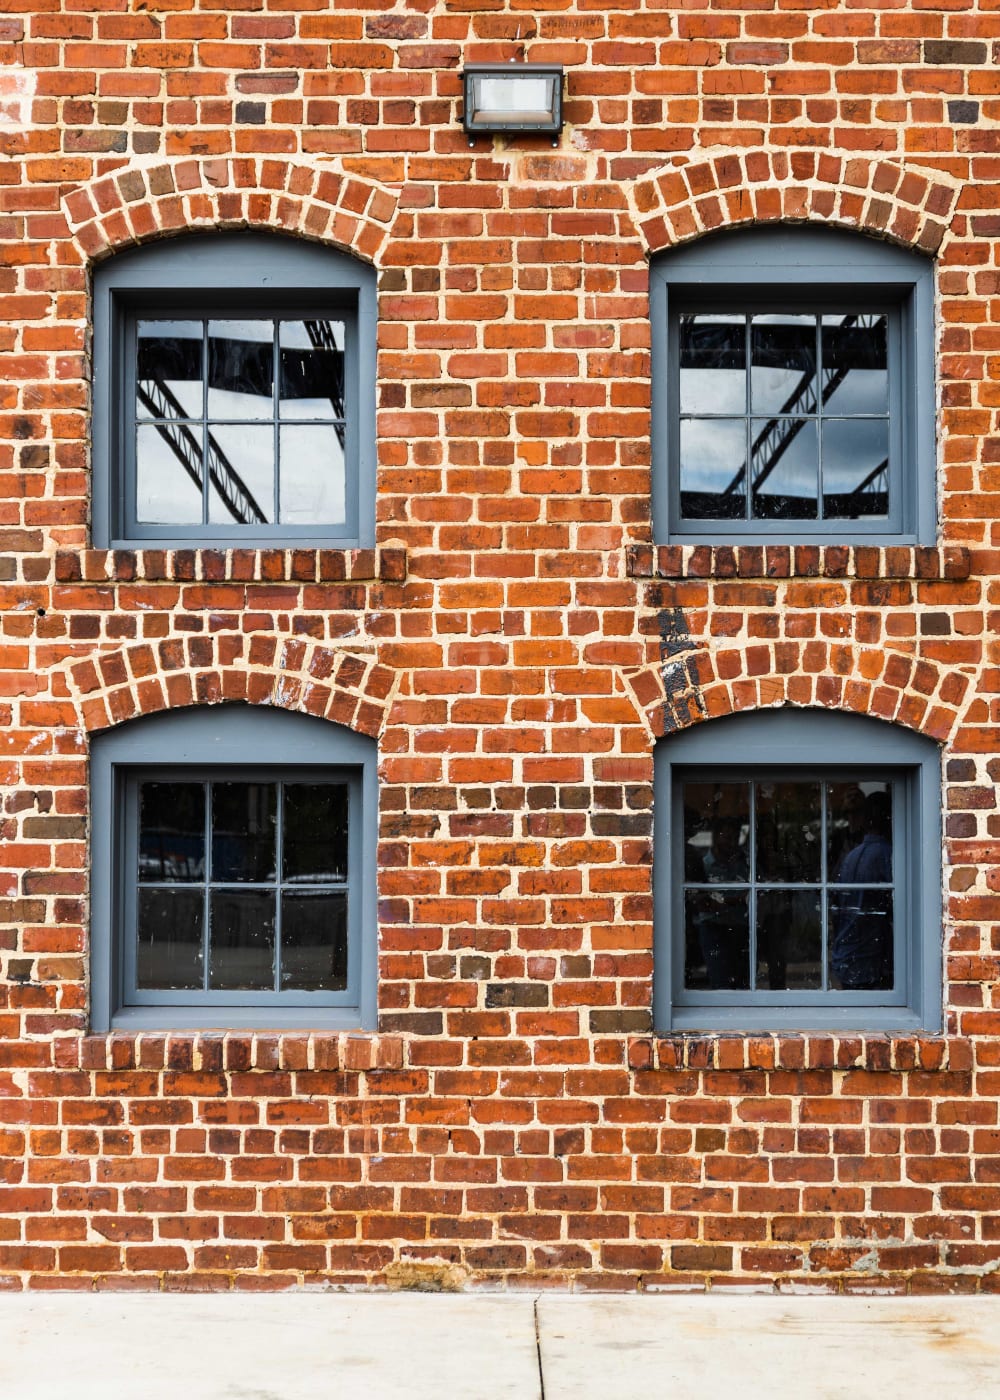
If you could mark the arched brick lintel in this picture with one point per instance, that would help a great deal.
(345, 687)
(701, 684)
(907, 204)
(140, 203)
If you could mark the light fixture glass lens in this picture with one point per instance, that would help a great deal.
(513, 98)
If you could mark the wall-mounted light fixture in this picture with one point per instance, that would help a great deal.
(513, 97)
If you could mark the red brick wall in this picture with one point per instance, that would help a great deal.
(514, 1119)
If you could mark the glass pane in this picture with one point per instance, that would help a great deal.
(713, 468)
(861, 955)
(789, 833)
(169, 369)
(241, 941)
(241, 474)
(785, 469)
(855, 468)
(171, 832)
(783, 364)
(716, 831)
(240, 369)
(859, 833)
(789, 940)
(312, 484)
(716, 939)
(855, 364)
(168, 474)
(169, 940)
(712, 356)
(312, 369)
(313, 941)
(315, 832)
(243, 831)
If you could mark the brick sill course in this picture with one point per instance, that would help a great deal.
(386, 565)
(952, 562)
(358, 1051)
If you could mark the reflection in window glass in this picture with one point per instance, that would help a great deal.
(813, 439)
(267, 911)
(788, 885)
(233, 416)
(713, 364)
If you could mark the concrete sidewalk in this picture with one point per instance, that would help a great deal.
(328, 1346)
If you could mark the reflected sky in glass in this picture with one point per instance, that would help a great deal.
(817, 416)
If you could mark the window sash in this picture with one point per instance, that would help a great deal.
(127, 804)
(900, 887)
(286, 306)
(806, 301)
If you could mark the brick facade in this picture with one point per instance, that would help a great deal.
(516, 642)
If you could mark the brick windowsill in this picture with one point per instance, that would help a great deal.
(387, 565)
(777, 561)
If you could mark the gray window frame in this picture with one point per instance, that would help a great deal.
(213, 742)
(805, 742)
(803, 268)
(205, 274)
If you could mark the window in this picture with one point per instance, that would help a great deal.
(233, 395)
(794, 389)
(233, 868)
(797, 875)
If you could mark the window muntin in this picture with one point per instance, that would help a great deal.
(770, 913)
(228, 894)
(789, 882)
(803, 358)
(234, 393)
(803, 398)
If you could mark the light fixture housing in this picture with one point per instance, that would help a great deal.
(513, 97)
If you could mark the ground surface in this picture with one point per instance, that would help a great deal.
(300, 1346)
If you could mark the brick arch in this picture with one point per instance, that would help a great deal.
(140, 203)
(144, 678)
(910, 205)
(703, 683)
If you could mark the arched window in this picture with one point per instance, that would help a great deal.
(793, 389)
(797, 875)
(234, 390)
(233, 872)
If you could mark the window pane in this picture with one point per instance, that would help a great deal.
(241, 941)
(243, 831)
(789, 940)
(241, 474)
(169, 369)
(785, 469)
(313, 941)
(783, 364)
(171, 832)
(312, 475)
(712, 363)
(855, 468)
(855, 364)
(169, 937)
(861, 954)
(312, 369)
(315, 832)
(713, 468)
(789, 833)
(716, 939)
(240, 369)
(168, 474)
(716, 831)
(860, 833)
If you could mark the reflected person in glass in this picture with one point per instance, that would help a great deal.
(861, 944)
